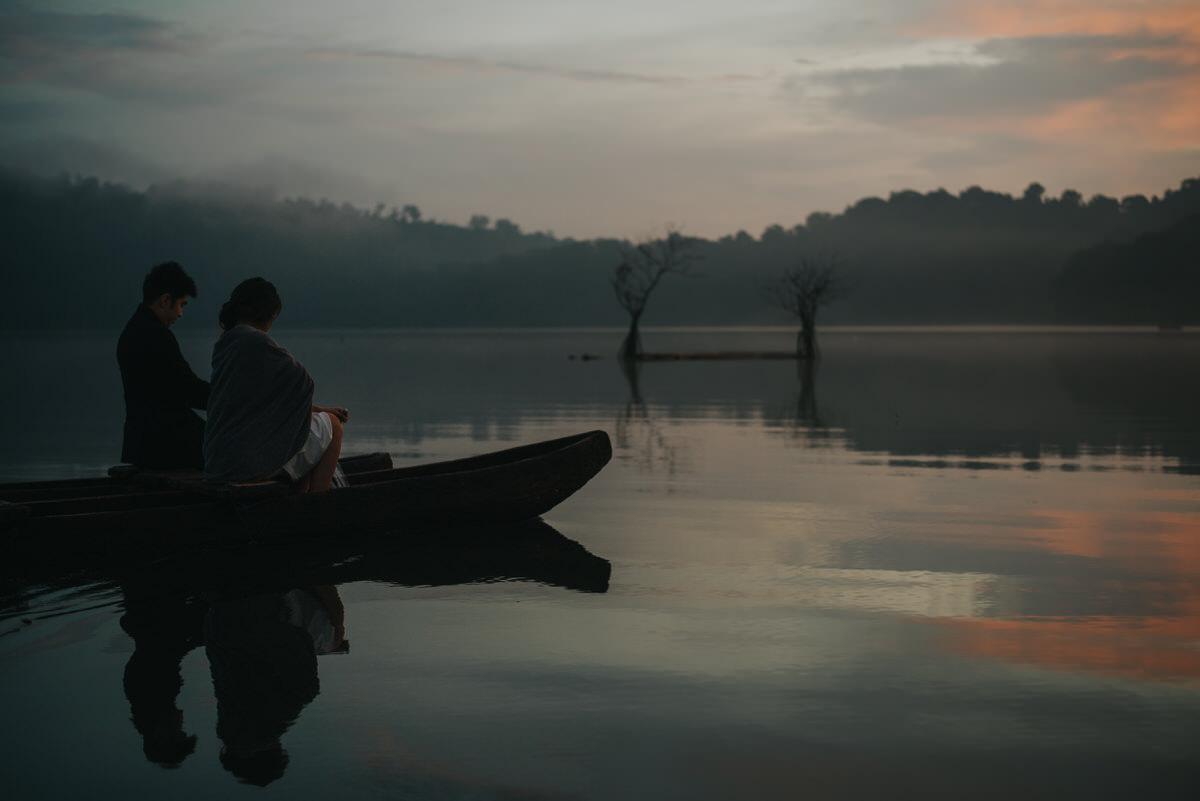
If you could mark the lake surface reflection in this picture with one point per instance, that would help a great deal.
(943, 563)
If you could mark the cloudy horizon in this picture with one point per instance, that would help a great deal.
(608, 119)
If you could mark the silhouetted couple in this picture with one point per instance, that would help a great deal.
(261, 423)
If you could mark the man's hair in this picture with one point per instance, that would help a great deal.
(168, 278)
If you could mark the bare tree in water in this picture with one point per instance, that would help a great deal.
(634, 279)
(803, 290)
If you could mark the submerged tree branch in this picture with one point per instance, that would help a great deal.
(639, 273)
(802, 290)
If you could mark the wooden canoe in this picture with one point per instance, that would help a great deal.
(152, 509)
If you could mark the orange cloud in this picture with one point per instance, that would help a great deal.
(1163, 113)
(1167, 19)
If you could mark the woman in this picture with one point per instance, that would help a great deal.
(261, 420)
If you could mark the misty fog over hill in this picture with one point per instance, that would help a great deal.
(76, 249)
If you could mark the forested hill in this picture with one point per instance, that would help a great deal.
(1154, 279)
(87, 245)
(75, 251)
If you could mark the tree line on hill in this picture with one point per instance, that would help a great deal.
(80, 247)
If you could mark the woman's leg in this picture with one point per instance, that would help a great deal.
(321, 476)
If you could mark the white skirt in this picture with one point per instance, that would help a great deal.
(320, 434)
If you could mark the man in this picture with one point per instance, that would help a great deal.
(161, 430)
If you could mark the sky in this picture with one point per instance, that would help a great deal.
(591, 118)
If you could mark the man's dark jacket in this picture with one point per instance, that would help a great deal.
(161, 430)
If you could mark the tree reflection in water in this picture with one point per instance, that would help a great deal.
(638, 436)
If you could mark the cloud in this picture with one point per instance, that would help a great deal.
(1045, 87)
(1024, 76)
(290, 177)
(560, 120)
(114, 55)
(35, 37)
(433, 64)
(1165, 20)
(1126, 72)
(23, 111)
(55, 155)
(984, 151)
(266, 176)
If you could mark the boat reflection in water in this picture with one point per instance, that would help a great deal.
(266, 614)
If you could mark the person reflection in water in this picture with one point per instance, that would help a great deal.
(263, 655)
(261, 421)
(163, 632)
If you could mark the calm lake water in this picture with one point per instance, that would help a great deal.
(946, 564)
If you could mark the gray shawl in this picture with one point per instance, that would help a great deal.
(258, 410)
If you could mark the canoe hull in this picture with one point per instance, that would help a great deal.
(498, 488)
(511, 486)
